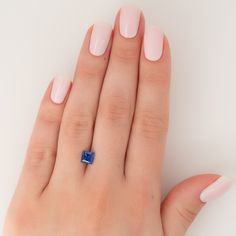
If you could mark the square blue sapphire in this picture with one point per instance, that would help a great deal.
(87, 157)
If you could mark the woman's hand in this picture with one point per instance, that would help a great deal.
(118, 108)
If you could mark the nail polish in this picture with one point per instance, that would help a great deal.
(153, 43)
(60, 89)
(129, 21)
(100, 38)
(216, 189)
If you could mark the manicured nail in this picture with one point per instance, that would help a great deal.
(153, 43)
(100, 38)
(216, 189)
(60, 88)
(129, 21)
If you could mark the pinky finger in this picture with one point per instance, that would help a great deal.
(41, 153)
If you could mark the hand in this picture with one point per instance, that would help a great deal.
(118, 108)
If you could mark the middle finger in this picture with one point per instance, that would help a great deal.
(117, 100)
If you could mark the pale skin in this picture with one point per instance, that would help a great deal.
(118, 107)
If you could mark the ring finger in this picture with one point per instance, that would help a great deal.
(80, 112)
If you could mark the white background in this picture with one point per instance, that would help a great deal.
(41, 38)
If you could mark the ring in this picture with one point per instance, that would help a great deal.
(87, 157)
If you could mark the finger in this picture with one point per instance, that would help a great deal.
(148, 135)
(118, 95)
(183, 203)
(80, 112)
(42, 149)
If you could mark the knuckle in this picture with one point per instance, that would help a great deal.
(187, 215)
(39, 154)
(141, 201)
(100, 202)
(152, 125)
(18, 223)
(159, 78)
(90, 70)
(49, 116)
(115, 108)
(78, 125)
(142, 192)
(127, 53)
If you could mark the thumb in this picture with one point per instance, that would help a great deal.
(186, 199)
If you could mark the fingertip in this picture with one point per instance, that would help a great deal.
(100, 37)
(59, 90)
(97, 42)
(215, 189)
(192, 187)
(156, 47)
(129, 23)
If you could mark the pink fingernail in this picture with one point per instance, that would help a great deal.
(129, 21)
(153, 43)
(59, 89)
(100, 38)
(216, 189)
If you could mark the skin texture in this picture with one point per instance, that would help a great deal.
(117, 106)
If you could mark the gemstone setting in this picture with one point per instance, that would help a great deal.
(87, 157)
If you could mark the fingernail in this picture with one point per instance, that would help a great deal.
(60, 88)
(153, 43)
(129, 21)
(216, 189)
(100, 38)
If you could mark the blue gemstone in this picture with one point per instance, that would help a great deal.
(88, 157)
